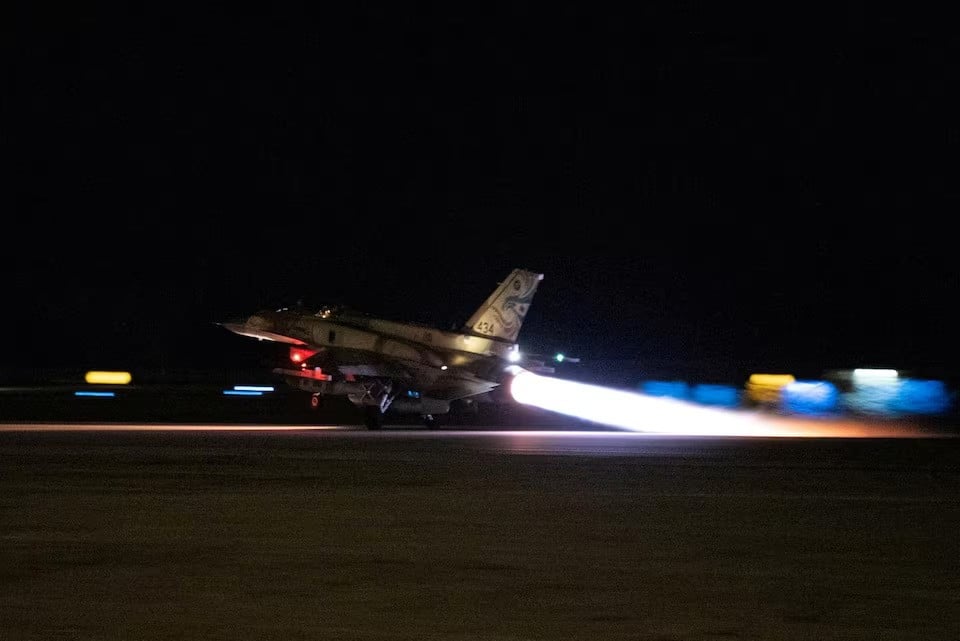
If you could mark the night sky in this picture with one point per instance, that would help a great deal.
(694, 186)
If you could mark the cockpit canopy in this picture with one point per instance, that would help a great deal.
(325, 311)
(329, 311)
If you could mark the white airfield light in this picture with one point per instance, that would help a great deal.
(869, 374)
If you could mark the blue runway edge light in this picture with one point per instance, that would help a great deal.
(671, 389)
(917, 396)
(810, 397)
(715, 394)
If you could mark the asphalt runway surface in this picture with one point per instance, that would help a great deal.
(150, 530)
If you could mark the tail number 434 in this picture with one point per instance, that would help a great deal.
(486, 327)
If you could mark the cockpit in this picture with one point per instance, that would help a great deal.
(325, 311)
(329, 311)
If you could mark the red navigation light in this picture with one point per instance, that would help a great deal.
(301, 354)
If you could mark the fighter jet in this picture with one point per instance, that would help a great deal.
(383, 365)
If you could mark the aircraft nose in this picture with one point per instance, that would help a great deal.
(236, 328)
(239, 322)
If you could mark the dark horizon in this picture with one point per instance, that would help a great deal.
(710, 194)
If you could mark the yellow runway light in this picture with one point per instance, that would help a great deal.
(765, 388)
(96, 377)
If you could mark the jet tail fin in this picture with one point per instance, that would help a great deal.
(502, 314)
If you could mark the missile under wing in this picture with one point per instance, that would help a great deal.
(383, 365)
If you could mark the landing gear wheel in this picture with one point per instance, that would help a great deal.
(315, 401)
(429, 421)
(372, 417)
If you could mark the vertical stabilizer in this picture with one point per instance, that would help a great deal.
(502, 314)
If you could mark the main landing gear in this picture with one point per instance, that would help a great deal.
(372, 417)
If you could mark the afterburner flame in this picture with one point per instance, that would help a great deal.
(662, 415)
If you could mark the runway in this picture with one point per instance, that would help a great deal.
(201, 531)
